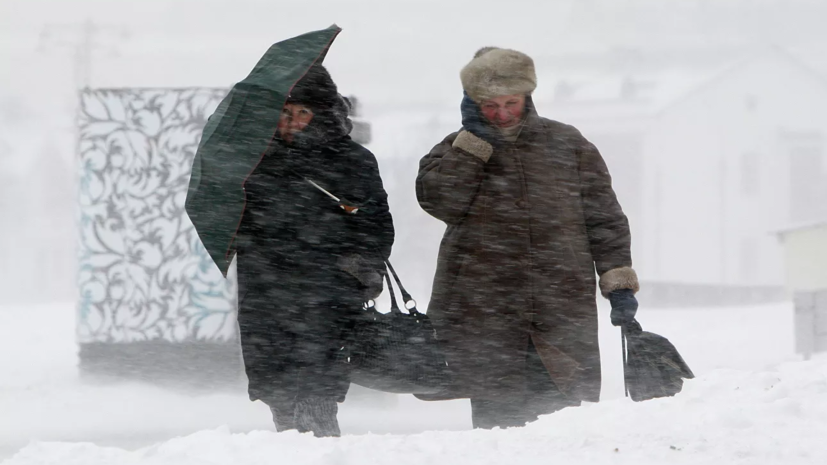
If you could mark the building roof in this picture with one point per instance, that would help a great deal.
(616, 94)
(816, 224)
(621, 93)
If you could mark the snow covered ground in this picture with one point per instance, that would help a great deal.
(725, 417)
(753, 402)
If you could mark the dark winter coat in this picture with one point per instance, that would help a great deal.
(295, 300)
(526, 230)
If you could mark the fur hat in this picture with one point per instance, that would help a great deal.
(315, 90)
(498, 71)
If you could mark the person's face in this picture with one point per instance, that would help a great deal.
(505, 111)
(294, 118)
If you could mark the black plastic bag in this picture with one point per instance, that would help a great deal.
(652, 366)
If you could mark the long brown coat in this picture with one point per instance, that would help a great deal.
(526, 230)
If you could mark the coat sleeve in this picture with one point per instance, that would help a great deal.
(374, 225)
(607, 226)
(448, 181)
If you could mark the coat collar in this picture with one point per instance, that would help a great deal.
(532, 127)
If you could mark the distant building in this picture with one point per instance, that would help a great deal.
(805, 257)
(708, 163)
(805, 260)
(37, 238)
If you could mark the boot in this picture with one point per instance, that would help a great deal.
(318, 415)
(284, 415)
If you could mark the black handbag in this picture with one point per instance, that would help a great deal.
(652, 366)
(396, 352)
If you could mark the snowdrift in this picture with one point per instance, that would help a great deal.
(725, 416)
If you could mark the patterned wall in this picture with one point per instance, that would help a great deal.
(144, 275)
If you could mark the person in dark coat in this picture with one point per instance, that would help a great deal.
(531, 216)
(307, 263)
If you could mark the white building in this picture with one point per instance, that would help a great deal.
(707, 164)
(805, 257)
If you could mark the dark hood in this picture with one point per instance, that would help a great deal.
(328, 124)
(317, 91)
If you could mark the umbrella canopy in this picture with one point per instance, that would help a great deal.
(237, 135)
(652, 365)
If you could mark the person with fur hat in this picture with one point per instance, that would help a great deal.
(531, 216)
(306, 263)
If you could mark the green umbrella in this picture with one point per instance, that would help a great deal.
(237, 135)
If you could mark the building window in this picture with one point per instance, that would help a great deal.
(808, 179)
(750, 174)
(749, 260)
(624, 156)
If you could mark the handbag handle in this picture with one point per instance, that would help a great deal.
(394, 305)
(632, 327)
(406, 297)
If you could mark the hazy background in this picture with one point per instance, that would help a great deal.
(700, 107)
(712, 116)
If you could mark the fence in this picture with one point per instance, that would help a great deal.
(150, 296)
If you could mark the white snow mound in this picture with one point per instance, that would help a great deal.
(726, 416)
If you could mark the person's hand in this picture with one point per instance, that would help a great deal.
(624, 306)
(374, 285)
(371, 280)
(476, 136)
(473, 121)
(349, 208)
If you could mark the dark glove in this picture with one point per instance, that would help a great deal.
(370, 279)
(474, 122)
(374, 284)
(624, 306)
